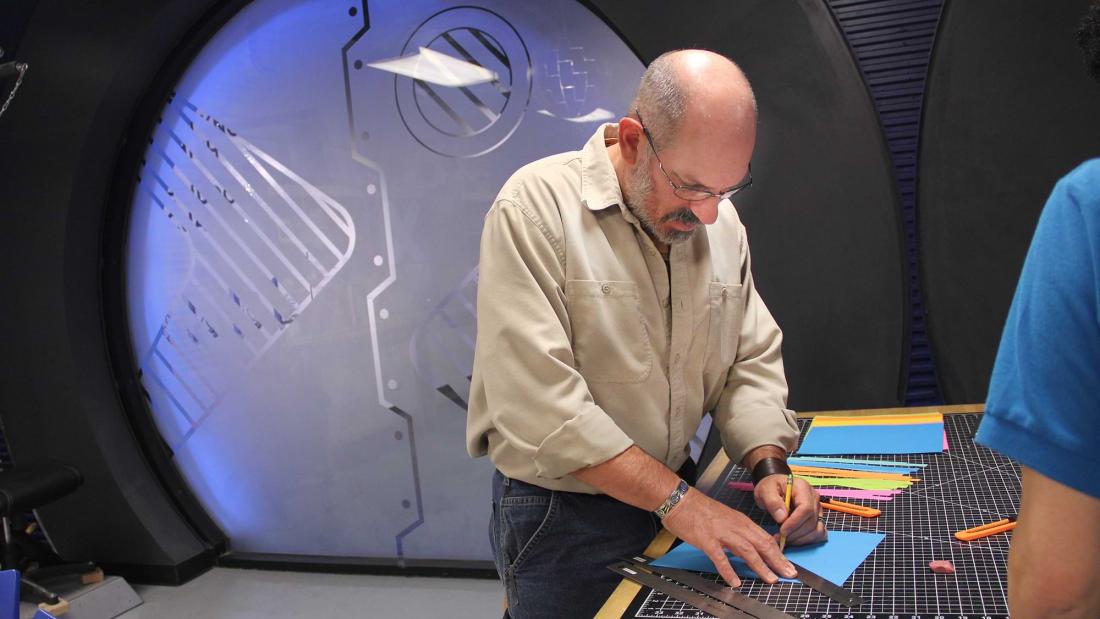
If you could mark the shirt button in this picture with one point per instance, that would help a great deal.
(725, 293)
(606, 289)
(676, 359)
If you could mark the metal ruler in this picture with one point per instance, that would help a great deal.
(834, 592)
(646, 578)
(673, 581)
(719, 591)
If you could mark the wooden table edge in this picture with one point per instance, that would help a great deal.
(623, 594)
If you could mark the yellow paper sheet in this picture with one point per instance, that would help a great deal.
(824, 472)
(878, 420)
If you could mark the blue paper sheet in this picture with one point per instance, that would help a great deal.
(873, 439)
(835, 560)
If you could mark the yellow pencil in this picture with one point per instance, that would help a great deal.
(787, 503)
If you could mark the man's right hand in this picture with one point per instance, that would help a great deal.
(712, 527)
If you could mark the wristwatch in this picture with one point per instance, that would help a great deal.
(673, 500)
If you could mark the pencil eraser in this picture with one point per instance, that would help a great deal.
(942, 567)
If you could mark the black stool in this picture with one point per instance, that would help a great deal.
(21, 490)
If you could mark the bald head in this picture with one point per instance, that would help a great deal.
(698, 92)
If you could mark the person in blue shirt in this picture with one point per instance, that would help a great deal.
(1043, 408)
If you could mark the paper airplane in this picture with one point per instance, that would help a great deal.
(597, 115)
(437, 68)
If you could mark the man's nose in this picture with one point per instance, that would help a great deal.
(705, 210)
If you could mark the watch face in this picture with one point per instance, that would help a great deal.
(302, 256)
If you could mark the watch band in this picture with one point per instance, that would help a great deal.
(769, 466)
(673, 500)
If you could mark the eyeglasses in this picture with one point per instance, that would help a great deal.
(691, 194)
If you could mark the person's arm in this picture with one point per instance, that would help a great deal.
(639, 479)
(1042, 404)
(526, 385)
(753, 418)
(1054, 559)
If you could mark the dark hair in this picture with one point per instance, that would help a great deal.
(1088, 38)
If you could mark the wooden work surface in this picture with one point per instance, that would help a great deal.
(624, 594)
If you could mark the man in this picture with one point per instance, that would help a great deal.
(1043, 408)
(615, 307)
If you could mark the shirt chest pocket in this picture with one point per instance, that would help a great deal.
(726, 314)
(610, 340)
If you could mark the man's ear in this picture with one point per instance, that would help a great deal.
(631, 139)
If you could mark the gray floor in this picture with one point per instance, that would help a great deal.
(224, 593)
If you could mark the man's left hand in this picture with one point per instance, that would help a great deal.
(804, 525)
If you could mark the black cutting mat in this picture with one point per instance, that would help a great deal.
(964, 487)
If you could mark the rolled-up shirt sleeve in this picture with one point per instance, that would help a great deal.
(752, 410)
(526, 389)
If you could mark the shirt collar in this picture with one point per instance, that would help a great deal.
(599, 184)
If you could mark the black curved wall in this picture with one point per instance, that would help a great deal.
(1008, 110)
(90, 66)
(823, 221)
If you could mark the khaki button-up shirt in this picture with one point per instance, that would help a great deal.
(587, 343)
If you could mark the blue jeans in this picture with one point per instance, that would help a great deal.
(552, 548)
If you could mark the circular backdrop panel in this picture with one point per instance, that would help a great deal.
(303, 254)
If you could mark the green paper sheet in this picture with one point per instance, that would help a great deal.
(862, 484)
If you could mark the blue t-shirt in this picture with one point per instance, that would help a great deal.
(1043, 408)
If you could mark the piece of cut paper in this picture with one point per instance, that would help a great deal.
(870, 495)
(858, 461)
(882, 439)
(814, 471)
(834, 560)
(854, 482)
(875, 420)
(945, 447)
(869, 468)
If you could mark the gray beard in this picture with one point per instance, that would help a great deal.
(638, 194)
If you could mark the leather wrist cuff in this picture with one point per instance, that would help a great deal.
(769, 466)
